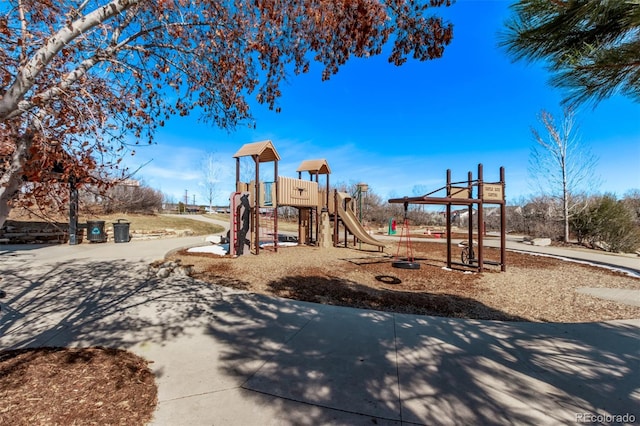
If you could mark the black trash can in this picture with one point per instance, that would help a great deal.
(95, 231)
(121, 231)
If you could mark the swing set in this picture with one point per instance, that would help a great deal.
(408, 262)
(460, 194)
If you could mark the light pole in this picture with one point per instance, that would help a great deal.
(362, 189)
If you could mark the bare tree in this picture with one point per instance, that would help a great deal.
(247, 169)
(419, 190)
(631, 200)
(212, 172)
(539, 217)
(560, 165)
(132, 199)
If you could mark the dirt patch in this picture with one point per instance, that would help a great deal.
(62, 386)
(534, 288)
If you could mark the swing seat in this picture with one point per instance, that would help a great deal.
(408, 262)
(405, 264)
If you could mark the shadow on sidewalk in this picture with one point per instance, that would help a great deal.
(113, 304)
(420, 369)
(429, 370)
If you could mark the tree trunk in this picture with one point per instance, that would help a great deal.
(11, 178)
(565, 207)
(566, 221)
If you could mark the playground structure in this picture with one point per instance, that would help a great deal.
(308, 217)
(349, 218)
(462, 194)
(254, 205)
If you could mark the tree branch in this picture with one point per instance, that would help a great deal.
(24, 32)
(43, 56)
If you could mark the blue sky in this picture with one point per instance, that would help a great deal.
(399, 127)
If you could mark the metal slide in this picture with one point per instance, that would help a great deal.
(352, 223)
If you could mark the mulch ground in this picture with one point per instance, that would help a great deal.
(533, 288)
(64, 386)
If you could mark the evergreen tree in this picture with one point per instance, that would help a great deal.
(591, 47)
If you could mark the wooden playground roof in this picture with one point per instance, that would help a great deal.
(320, 167)
(264, 150)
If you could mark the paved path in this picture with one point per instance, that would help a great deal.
(223, 223)
(232, 358)
(620, 295)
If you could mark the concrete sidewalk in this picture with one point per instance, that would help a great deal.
(232, 358)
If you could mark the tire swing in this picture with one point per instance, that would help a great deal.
(408, 262)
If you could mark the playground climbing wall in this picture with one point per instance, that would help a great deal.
(239, 226)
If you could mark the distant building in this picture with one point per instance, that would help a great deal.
(129, 182)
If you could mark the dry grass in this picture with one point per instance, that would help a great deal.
(217, 216)
(139, 223)
(159, 223)
(534, 288)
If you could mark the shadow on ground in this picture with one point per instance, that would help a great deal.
(428, 370)
(114, 303)
(361, 363)
(341, 292)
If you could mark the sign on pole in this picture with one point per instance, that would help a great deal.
(492, 192)
(460, 192)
